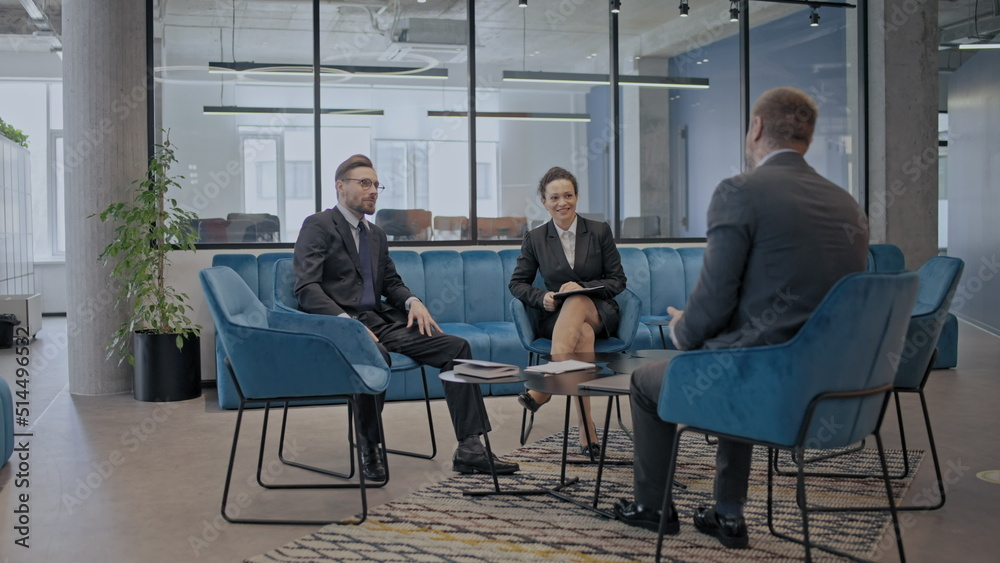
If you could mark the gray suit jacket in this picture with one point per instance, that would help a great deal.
(327, 276)
(778, 239)
(596, 262)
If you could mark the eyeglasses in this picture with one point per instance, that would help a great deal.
(367, 184)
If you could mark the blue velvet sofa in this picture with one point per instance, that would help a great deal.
(467, 294)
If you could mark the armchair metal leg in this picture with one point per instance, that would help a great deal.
(231, 514)
(260, 461)
(430, 424)
(281, 446)
(805, 508)
(668, 490)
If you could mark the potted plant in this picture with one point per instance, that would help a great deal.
(165, 351)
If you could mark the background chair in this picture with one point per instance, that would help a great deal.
(280, 357)
(451, 227)
(526, 319)
(284, 300)
(404, 224)
(501, 227)
(939, 278)
(840, 366)
(266, 226)
(213, 230)
(647, 226)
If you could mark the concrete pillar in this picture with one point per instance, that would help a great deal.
(104, 97)
(654, 149)
(903, 125)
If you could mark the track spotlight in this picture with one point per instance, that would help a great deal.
(734, 12)
(684, 8)
(814, 18)
(522, 3)
(616, 6)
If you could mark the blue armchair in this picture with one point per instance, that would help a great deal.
(939, 278)
(277, 357)
(284, 300)
(6, 423)
(526, 319)
(778, 396)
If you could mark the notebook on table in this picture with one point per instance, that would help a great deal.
(614, 383)
(485, 370)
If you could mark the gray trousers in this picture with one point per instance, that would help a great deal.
(653, 439)
(465, 402)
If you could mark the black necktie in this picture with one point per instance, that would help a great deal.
(365, 261)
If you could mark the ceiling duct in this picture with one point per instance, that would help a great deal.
(432, 31)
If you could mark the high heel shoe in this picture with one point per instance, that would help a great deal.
(528, 402)
(591, 450)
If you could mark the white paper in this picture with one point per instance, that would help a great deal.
(560, 367)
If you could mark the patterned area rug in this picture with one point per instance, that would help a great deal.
(439, 524)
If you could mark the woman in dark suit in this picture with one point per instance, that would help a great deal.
(571, 252)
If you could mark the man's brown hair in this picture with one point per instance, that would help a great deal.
(355, 161)
(788, 115)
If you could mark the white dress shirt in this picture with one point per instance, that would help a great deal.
(568, 240)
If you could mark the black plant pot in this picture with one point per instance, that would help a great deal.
(164, 373)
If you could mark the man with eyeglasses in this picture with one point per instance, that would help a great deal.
(331, 280)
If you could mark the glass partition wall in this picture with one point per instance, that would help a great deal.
(259, 130)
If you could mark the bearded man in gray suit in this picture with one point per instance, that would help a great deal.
(779, 237)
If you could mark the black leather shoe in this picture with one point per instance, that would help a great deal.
(371, 465)
(591, 450)
(529, 402)
(635, 514)
(730, 529)
(468, 462)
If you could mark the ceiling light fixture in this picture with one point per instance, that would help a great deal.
(684, 8)
(240, 110)
(734, 12)
(979, 46)
(517, 115)
(342, 71)
(814, 17)
(599, 79)
(616, 6)
(33, 12)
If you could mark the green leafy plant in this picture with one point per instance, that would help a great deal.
(16, 135)
(149, 225)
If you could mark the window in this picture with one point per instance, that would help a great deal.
(237, 90)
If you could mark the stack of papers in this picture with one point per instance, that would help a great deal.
(484, 369)
(560, 367)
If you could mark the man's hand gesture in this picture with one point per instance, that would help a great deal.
(420, 314)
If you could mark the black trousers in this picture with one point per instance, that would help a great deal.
(653, 439)
(464, 401)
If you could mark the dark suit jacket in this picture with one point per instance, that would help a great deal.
(327, 277)
(778, 239)
(597, 262)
